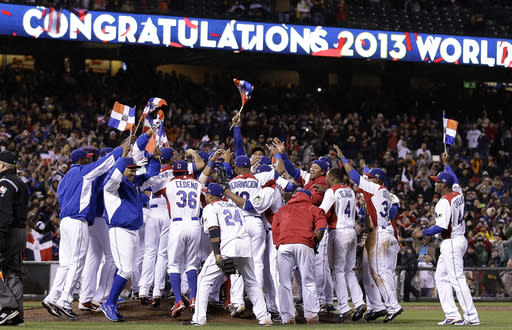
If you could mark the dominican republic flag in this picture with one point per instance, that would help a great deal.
(122, 117)
(39, 246)
(449, 130)
(245, 89)
(159, 138)
(153, 104)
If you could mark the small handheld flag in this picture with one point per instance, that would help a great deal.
(153, 104)
(245, 88)
(159, 138)
(122, 117)
(449, 130)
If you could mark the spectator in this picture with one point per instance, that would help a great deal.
(506, 277)
(303, 11)
(408, 260)
(427, 276)
(472, 137)
(493, 285)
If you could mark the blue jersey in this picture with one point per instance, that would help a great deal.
(75, 191)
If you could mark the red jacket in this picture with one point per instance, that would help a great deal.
(296, 222)
(317, 196)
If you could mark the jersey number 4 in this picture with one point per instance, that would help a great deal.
(230, 219)
(190, 199)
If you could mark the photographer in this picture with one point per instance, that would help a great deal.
(408, 260)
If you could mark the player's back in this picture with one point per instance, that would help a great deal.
(245, 186)
(345, 206)
(457, 225)
(378, 202)
(183, 195)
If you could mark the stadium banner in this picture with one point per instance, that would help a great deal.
(238, 36)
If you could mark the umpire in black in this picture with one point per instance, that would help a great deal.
(13, 212)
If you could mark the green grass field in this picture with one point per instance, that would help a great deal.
(415, 316)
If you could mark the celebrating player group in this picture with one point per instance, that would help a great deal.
(244, 223)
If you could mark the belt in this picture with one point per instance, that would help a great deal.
(156, 196)
(181, 219)
(154, 206)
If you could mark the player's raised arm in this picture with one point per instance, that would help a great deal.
(352, 173)
(237, 135)
(199, 163)
(207, 171)
(295, 173)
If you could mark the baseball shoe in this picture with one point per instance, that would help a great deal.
(66, 311)
(8, 314)
(390, 317)
(192, 323)
(448, 322)
(327, 308)
(87, 307)
(359, 312)
(238, 310)
(51, 308)
(134, 296)
(266, 322)
(145, 300)
(342, 317)
(466, 322)
(121, 300)
(371, 316)
(229, 307)
(313, 320)
(155, 303)
(110, 312)
(16, 321)
(192, 305)
(119, 316)
(276, 317)
(177, 309)
(290, 321)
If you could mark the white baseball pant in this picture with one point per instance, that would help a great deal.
(139, 253)
(324, 285)
(373, 298)
(183, 246)
(156, 236)
(123, 243)
(450, 276)
(99, 247)
(209, 275)
(341, 250)
(256, 230)
(289, 255)
(271, 275)
(74, 239)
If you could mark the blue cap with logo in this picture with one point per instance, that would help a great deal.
(215, 189)
(180, 166)
(242, 161)
(327, 160)
(265, 160)
(322, 164)
(263, 168)
(166, 153)
(444, 177)
(204, 156)
(377, 173)
(305, 191)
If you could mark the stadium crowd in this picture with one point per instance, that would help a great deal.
(44, 122)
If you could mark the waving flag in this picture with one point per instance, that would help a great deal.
(153, 103)
(449, 130)
(159, 138)
(39, 246)
(245, 89)
(122, 117)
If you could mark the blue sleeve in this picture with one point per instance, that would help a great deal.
(238, 142)
(432, 230)
(152, 169)
(366, 169)
(229, 170)
(393, 211)
(449, 169)
(295, 173)
(100, 163)
(141, 142)
(290, 187)
(354, 175)
(248, 206)
(194, 168)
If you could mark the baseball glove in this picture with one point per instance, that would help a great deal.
(227, 265)
(222, 178)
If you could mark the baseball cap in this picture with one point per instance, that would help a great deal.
(322, 164)
(204, 156)
(377, 173)
(78, 154)
(130, 163)
(327, 160)
(305, 191)
(215, 189)
(8, 157)
(443, 177)
(265, 160)
(263, 168)
(242, 161)
(180, 166)
(105, 151)
(166, 153)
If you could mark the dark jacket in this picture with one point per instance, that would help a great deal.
(13, 204)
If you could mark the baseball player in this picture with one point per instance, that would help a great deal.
(225, 224)
(92, 292)
(75, 195)
(381, 245)
(123, 213)
(342, 243)
(183, 195)
(450, 224)
(156, 233)
(296, 229)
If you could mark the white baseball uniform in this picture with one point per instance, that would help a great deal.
(156, 236)
(234, 243)
(247, 186)
(138, 255)
(342, 244)
(382, 257)
(183, 195)
(449, 213)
